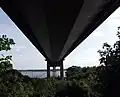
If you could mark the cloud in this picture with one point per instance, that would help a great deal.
(20, 55)
(116, 14)
(21, 47)
(97, 34)
(18, 48)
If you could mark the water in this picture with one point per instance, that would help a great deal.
(38, 73)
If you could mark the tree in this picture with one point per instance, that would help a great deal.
(109, 74)
(110, 56)
(72, 71)
(5, 45)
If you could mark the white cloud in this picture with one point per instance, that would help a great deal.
(18, 50)
(20, 47)
(97, 34)
(20, 55)
(116, 14)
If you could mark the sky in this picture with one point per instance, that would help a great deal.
(26, 56)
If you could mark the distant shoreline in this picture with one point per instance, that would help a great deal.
(39, 73)
(36, 70)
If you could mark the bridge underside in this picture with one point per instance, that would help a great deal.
(57, 27)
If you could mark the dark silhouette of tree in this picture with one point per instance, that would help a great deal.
(109, 74)
(71, 71)
(5, 45)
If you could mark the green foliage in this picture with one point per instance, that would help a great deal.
(44, 87)
(13, 84)
(5, 61)
(6, 43)
(101, 81)
(110, 56)
(72, 88)
(72, 71)
(110, 74)
(78, 89)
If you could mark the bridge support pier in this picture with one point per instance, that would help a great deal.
(61, 70)
(54, 65)
(48, 69)
(54, 71)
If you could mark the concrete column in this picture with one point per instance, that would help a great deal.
(54, 71)
(61, 70)
(48, 69)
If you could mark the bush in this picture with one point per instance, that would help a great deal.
(44, 87)
(72, 89)
(13, 84)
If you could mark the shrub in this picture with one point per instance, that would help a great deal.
(13, 84)
(44, 87)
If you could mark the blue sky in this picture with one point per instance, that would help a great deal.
(26, 56)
